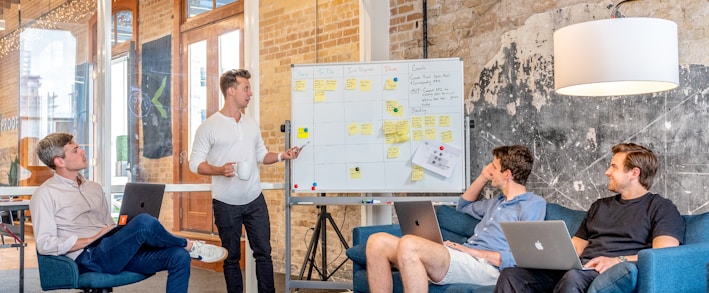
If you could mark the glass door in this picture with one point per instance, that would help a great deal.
(207, 52)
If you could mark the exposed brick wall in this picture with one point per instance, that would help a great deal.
(294, 32)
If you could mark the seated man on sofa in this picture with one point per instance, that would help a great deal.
(614, 229)
(480, 259)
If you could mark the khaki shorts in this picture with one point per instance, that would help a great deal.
(467, 269)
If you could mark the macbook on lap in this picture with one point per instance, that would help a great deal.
(418, 218)
(138, 198)
(542, 245)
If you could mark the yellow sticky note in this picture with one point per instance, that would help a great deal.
(402, 137)
(417, 122)
(393, 152)
(300, 85)
(390, 105)
(366, 128)
(319, 96)
(351, 84)
(353, 128)
(416, 173)
(390, 84)
(389, 127)
(430, 121)
(444, 121)
(355, 173)
(447, 136)
(398, 111)
(331, 85)
(319, 85)
(418, 135)
(402, 126)
(430, 134)
(390, 138)
(365, 85)
(303, 132)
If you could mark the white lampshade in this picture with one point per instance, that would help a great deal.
(618, 56)
(2, 24)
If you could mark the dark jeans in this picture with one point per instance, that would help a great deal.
(254, 217)
(142, 246)
(534, 280)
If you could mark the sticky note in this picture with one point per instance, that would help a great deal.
(430, 121)
(351, 84)
(319, 85)
(416, 173)
(390, 105)
(418, 134)
(303, 132)
(355, 173)
(444, 121)
(402, 137)
(390, 138)
(300, 85)
(402, 126)
(353, 128)
(319, 96)
(430, 134)
(389, 127)
(447, 136)
(366, 128)
(390, 85)
(417, 122)
(365, 85)
(393, 152)
(331, 85)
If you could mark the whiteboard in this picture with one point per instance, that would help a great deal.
(362, 124)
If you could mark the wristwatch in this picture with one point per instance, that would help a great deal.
(622, 258)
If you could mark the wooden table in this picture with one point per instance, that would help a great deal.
(21, 206)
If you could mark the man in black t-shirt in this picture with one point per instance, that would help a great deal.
(614, 229)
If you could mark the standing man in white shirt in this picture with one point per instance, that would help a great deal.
(226, 144)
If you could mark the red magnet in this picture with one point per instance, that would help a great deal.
(295, 186)
(441, 147)
(312, 188)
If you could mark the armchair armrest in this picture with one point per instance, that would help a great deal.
(57, 272)
(673, 269)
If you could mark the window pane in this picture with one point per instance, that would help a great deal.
(221, 3)
(124, 26)
(54, 89)
(197, 7)
(197, 87)
(229, 44)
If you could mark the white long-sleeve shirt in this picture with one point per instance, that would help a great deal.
(220, 139)
(63, 212)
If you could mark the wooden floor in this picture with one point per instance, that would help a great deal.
(11, 256)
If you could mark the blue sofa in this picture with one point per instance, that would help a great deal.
(676, 269)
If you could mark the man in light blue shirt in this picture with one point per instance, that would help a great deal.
(478, 260)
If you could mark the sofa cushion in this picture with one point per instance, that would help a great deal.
(455, 226)
(622, 277)
(572, 218)
(696, 228)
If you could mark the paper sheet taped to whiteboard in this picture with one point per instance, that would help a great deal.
(437, 157)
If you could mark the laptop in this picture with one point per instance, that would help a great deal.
(542, 245)
(418, 218)
(138, 198)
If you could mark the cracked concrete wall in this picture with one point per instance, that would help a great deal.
(507, 49)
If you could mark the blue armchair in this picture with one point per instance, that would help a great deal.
(61, 272)
(675, 269)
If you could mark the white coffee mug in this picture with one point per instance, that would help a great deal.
(244, 169)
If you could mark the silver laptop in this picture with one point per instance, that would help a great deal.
(138, 198)
(541, 245)
(418, 218)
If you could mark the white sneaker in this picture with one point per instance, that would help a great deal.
(207, 252)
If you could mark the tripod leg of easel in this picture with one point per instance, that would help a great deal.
(310, 255)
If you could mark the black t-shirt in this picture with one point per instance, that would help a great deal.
(615, 227)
